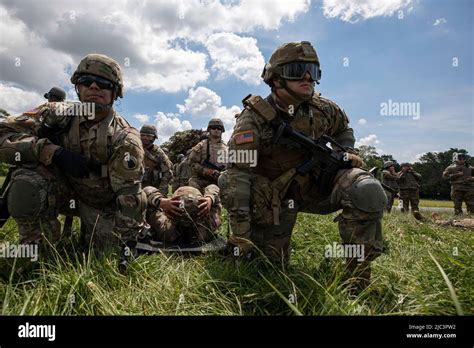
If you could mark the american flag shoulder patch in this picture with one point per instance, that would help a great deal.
(244, 137)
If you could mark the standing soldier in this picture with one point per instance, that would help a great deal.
(187, 219)
(183, 173)
(409, 183)
(55, 94)
(263, 201)
(206, 157)
(461, 176)
(180, 158)
(68, 161)
(158, 167)
(389, 178)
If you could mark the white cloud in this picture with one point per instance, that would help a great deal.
(26, 60)
(148, 38)
(169, 123)
(16, 101)
(203, 103)
(370, 140)
(352, 11)
(142, 118)
(439, 21)
(236, 56)
(362, 121)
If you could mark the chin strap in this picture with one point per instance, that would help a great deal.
(295, 95)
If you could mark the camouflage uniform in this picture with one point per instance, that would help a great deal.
(409, 184)
(186, 229)
(390, 180)
(263, 201)
(158, 167)
(182, 174)
(462, 187)
(110, 201)
(204, 151)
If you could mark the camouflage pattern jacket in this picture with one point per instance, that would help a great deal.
(158, 169)
(460, 183)
(409, 180)
(112, 147)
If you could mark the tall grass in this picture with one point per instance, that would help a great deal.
(427, 269)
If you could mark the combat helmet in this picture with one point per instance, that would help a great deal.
(149, 129)
(291, 61)
(102, 66)
(215, 122)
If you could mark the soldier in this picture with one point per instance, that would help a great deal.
(188, 218)
(205, 157)
(183, 173)
(409, 184)
(263, 201)
(461, 176)
(180, 158)
(389, 178)
(158, 167)
(87, 164)
(55, 94)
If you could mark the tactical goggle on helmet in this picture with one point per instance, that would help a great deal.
(102, 83)
(297, 70)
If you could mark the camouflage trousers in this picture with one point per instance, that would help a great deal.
(410, 197)
(181, 231)
(459, 196)
(359, 223)
(390, 200)
(36, 197)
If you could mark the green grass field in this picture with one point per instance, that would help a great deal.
(427, 270)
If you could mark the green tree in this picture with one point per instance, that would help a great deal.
(181, 142)
(370, 156)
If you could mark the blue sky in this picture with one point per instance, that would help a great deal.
(405, 60)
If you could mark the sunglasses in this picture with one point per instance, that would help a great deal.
(215, 127)
(87, 80)
(297, 70)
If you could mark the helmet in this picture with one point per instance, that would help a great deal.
(149, 129)
(287, 53)
(103, 66)
(215, 122)
(406, 164)
(55, 94)
(388, 164)
(180, 157)
(190, 197)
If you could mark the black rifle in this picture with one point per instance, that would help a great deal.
(328, 160)
(210, 165)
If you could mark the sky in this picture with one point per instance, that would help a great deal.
(401, 69)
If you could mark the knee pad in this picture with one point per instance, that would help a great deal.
(235, 189)
(367, 194)
(27, 194)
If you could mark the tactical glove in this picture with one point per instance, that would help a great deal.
(71, 163)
